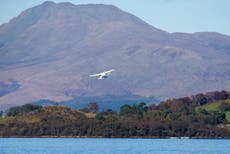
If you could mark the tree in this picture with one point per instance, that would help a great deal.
(220, 117)
(108, 114)
(93, 107)
(13, 111)
(225, 107)
(85, 109)
(125, 109)
(142, 107)
(1, 114)
(100, 116)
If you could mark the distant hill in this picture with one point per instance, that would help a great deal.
(105, 101)
(198, 116)
(50, 50)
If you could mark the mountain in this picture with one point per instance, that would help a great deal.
(49, 51)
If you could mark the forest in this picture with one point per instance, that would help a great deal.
(199, 116)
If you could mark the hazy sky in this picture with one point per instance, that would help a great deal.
(170, 15)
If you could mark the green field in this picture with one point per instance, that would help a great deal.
(215, 107)
(228, 116)
(1, 121)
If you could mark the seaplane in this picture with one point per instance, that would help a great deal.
(103, 75)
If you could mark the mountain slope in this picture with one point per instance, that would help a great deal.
(51, 49)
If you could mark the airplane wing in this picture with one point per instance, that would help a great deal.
(108, 72)
(99, 74)
(103, 73)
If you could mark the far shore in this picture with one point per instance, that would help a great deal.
(112, 137)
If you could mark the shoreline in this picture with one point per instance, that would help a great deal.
(112, 137)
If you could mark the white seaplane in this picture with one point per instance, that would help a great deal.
(103, 75)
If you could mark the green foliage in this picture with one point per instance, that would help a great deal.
(220, 106)
(224, 106)
(203, 111)
(179, 117)
(1, 114)
(227, 113)
(106, 115)
(85, 109)
(125, 109)
(93, 107)
(135, 109)
(13, 111)
(142, 107)
(100, 116)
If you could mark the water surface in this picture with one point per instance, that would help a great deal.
(116, 146)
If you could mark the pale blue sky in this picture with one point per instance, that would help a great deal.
(170, 15)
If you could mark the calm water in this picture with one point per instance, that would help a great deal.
(117, 146)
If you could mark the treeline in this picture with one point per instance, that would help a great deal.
(13, 111)
(201, 99)
(175, 117)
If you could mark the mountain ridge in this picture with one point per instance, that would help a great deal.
(50, 50)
